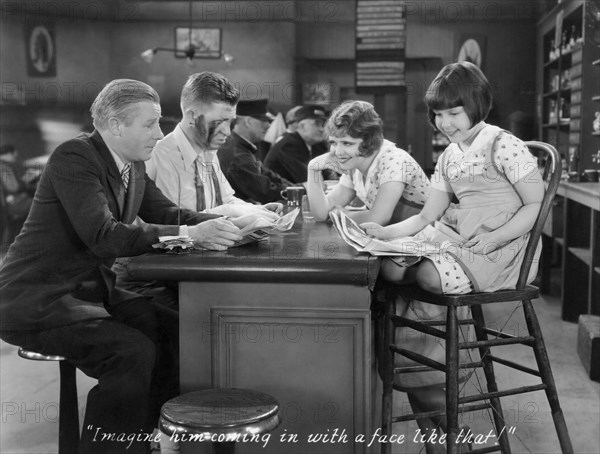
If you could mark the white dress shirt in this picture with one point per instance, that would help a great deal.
(173, 170)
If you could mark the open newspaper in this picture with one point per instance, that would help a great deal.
(261, 228)
(257, 230)
(356, 237)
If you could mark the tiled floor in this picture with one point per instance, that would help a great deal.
(29, 392)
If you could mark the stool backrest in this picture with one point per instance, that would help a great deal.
(552, 169)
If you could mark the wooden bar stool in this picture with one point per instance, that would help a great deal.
(68, 423)
(487, 338)
(221, 415)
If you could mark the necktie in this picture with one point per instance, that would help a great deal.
(200, 196)
(200, 202)
(125, 174)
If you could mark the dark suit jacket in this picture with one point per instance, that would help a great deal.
(289, 158)
(248, 177)
(57, 271)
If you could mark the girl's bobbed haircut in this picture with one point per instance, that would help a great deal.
(460, 84)
(358, 120)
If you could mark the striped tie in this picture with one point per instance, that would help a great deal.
(125, 174)
(200, 195)
(200, 202)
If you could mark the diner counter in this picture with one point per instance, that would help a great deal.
(289, 316)
(310, 253)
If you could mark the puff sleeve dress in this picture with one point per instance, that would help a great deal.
(482, 179)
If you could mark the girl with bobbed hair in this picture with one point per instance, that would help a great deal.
(389, 182)
(482, 238)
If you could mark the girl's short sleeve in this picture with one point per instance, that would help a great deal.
(513, 158)
(396, 165)
(439, 180)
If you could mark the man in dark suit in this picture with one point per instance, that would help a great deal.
(290, 155)
(249, 178)
(57, 291)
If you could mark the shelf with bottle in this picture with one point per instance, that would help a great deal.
(566, 46)
(559, 112)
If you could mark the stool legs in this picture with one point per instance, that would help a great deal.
(451, 380)
(543, 363)
(68, 422)
(387, 373)
(490, 377)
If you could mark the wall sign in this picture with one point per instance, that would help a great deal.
(380, 45)
(40, 50)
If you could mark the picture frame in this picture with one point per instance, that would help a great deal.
(40, 49)
(206, 41)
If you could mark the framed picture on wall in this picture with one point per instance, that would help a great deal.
(40, 49)
(206, 42)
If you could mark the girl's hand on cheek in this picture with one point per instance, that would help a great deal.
(326, 161)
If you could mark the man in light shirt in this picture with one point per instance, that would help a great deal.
(184, 164)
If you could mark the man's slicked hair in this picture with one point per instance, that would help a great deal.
(116, 98)
(207, 87)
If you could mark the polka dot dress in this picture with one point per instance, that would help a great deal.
(391, 164)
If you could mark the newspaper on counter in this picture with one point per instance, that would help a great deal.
(258, 230)
(356, 237)
(261, 228)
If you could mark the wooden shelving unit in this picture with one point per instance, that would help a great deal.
(568, 95)
(568, 83)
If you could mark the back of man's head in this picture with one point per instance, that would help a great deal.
(207, 87)
(116, 99)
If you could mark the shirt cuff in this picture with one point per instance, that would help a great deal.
(184, 230)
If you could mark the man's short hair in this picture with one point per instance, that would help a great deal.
(207, 87)
(116, 98)
(359, 120)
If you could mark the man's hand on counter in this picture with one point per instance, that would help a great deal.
(216, 234)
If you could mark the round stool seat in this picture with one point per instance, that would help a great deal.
(220, 411)
(28, 354)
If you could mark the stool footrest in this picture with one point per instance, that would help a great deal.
(417, 326)
(496, 333)
(526, 340)
(418, 358)
(514, 365)
(430, 414)
(508, 392)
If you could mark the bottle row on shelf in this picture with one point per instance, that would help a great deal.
(566, 45)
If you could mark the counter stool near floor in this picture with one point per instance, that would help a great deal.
(68, 423)
(487, 338)
(220, 415)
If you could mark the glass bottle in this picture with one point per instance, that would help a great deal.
(573, 39)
